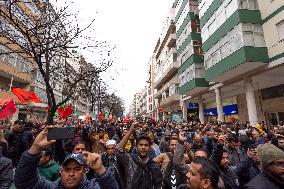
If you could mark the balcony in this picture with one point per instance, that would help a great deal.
(168, 36)
(174, 80)
(9, 71)
(238, 52)
(170, 67)
(191, 76)
(170, 101)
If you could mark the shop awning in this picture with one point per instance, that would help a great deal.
(227, 110)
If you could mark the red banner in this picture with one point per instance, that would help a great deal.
(8, 110)
(25, 96)
(4, 101)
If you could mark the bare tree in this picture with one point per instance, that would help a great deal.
(47, 37)
(113, 104)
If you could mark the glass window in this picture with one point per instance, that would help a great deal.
(212, 28)
(221, 18)
(247, 27)
(280, 30)
(225, 50)
(252, 4)
(248, 38)
(259, 39)
(243, 4)
(230, 9)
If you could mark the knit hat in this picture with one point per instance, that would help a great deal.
(268, 153)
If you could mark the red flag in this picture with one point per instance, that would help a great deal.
(65, 112)
(25, 96)
(4, 101)
(61, 111)
(8, 110)
(88, 118)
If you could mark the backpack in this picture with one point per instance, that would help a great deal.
(172, 177)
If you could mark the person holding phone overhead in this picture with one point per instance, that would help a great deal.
(72, 172)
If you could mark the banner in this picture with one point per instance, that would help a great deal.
(4, 101)
(25, 96)
(8, 110)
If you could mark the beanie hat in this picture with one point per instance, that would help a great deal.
(269, 153)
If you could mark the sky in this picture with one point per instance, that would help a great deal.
(134, 27)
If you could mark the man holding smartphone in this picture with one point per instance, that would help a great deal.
(72, 173)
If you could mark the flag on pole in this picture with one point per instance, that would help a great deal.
(8, 110)
(64, 112)
(25, 96)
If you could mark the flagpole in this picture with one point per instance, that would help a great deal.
(11, 83)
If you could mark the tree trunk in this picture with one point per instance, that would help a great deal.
(51, 113)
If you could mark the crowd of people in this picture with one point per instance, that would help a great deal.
(110, 154)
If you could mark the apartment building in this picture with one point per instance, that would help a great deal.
(189, 55)
(17, 70)
(166, 81)
(242, 42)
(135, 106)
(143, 102)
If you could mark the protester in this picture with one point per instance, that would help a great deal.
(72, 173)
(6, 171)
(141, 171)
(272, 166)
(143, 155)
(48, 168)
(203, 174)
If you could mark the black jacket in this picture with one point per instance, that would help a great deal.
(6, 171)
(229, 176)
(136, 174)
(265, 181)
(247, 170)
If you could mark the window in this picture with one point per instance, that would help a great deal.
(272, 92)
(253, 35)
(248, 4)
(243, 4)
(225, 50)
(231, 8)
(189, 74)
(248, 38)
(280, 30)
(199, 71)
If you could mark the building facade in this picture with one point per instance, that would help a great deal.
(166, 80)
(226, 60)
(19, 69)
(135, 106)
(241, 42)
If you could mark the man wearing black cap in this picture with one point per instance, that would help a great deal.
(72, 172)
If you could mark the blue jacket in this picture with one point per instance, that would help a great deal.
(27, 177)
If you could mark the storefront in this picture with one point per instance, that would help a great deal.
(230, 113)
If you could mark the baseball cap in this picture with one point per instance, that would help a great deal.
(77, 157)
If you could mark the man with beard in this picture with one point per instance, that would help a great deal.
(109, 160)
(138, 171)
(165, 142)
(272, 165)
(221, 157)
(249, 167)
(197, 143)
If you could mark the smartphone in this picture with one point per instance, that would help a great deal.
(60, 133)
